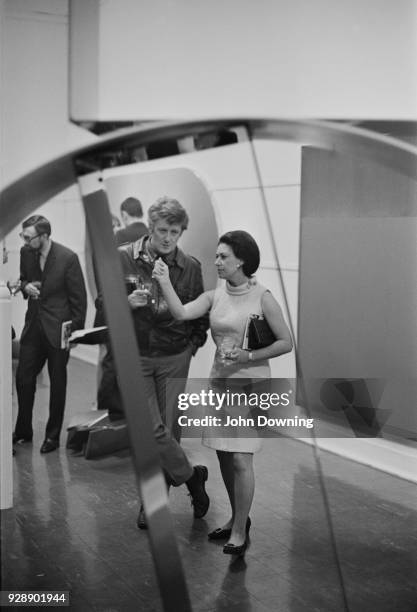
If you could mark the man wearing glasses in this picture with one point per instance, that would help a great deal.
(52, 281)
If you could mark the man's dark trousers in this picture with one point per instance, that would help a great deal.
(35, 350)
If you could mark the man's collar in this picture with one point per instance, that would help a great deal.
(140, 250)
(45, 253)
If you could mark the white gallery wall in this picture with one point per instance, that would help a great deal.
(135, 59)
(34, 115)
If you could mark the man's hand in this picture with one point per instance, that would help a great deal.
(138, 298)
(32, 290)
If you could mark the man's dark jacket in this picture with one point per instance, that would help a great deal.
(63, 294)
(158, 333)
(131, 233)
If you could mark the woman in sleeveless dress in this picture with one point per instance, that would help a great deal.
(237, 259)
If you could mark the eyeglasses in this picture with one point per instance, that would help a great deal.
(28, 239)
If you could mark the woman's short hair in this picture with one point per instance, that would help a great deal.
(40, 223)
(245, 248)
(168, 209)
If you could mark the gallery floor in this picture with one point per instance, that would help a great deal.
(73, 528)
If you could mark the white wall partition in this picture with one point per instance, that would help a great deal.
(135, 59)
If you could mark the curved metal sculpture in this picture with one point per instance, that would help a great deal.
(33, 189)
(20, 198)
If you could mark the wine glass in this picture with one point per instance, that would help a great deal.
(132, 282)
(14, 286)
(38, 286)
(226, 346)
(147, 285)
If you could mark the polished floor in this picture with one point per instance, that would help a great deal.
(73, 528)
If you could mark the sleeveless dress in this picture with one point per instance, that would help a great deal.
(228, 318)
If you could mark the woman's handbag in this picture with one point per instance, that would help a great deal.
(258, 334)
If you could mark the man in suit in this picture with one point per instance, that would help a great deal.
(131, 213)
(52, 281)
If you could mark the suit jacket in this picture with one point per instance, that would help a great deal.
(63, 294)
(131, 233)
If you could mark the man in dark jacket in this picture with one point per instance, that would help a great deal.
(52, 281)
(165, 345)
(131, 213)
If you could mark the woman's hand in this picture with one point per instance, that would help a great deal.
(161, 272)
(238, 355)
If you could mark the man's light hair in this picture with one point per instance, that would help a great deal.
(168, 209)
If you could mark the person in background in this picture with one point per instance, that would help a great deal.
(116, 224)
(131, 213)
(53, 283)
(100, 321)
(166, 346)
(230, 305)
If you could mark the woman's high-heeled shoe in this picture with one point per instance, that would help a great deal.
(224, 534)
(231, 549)
(141, 520)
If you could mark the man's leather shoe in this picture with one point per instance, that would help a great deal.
(196, 486)
(141, 520)
(49, 445)
(21, 439)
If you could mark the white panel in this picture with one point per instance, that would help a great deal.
(165, 59)
(87, 353)
(6, 468)
(385, 455)
(19, 305)
(84, 64)
(13, 240)
(284, 210)
(34, 86)
(279, 162)
(74, 232)
(91, 309)
(243, 209)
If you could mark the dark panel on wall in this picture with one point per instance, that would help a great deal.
(358, 290)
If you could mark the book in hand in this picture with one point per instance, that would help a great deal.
(65, 334)
(91, 335)
(257, 334)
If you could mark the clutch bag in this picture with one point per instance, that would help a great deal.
(258, 333)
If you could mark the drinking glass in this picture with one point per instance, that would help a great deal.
(147, 285)
(226, 345)
(132, 282)
(38, 285)
(13, 286)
